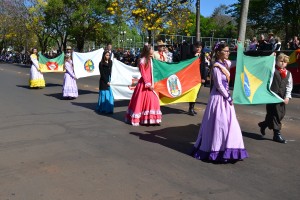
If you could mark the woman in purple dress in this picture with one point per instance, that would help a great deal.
(70, 89)
(220, 137)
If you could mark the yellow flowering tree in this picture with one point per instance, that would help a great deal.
(36, 22)
(154, 16)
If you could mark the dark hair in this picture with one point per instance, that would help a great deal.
(198, 44)
(218, 48)
(146, 52)
(33, 49)
(103, 57)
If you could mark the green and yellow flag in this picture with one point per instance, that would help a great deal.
(253, 79)
(51, 65)
(293, 56)
(177, 82)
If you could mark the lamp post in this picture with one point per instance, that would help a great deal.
(212, 37)
(123, 36)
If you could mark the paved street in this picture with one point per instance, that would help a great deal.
(55, 149)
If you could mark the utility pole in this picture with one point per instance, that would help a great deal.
(243, 22)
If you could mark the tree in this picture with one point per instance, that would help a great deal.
(224, 25)
(79, 20)
(58, 17)
(243, 22)
(154, 15)
(36, 22)
(271, 15)
(13, 30)
(85, 18)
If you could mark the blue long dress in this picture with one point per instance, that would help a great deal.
(106, 99)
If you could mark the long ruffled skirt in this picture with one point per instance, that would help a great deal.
(69, 87)
(144, 107)
(36, 78)
(105, 102)
(220, 136)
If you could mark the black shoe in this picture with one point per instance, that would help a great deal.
(279, 138)
(262, 128)
(191, 112)
(194, 112)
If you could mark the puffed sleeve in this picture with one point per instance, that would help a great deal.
(289, 86)
(35, 61)
(146, 72)
(69, 69)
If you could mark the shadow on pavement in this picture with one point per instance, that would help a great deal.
(120, 116)
(26, 87)
(91, 106)
(179, 138)
(47, 85)
(168, 110)
(53, 85)
(254, 136)
(80, 92)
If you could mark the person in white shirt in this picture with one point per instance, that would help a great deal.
(160, 53)
(109, 49)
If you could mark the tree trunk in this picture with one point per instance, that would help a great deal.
(80, 44)
(150, 36)
(198, 21)
(243, 22)
(64, 44)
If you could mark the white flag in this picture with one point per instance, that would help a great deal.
(123, 79)
(87, 64)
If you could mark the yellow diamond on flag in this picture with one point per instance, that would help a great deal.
(250, 83)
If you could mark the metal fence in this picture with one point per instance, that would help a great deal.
(208, 41)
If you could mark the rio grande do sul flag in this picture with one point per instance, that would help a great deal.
(87, 64)
(124, 78)
(177, 82)
(253, 79)
(51, 65)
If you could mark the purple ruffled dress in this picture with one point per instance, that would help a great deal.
(220, 137)
(69, 87)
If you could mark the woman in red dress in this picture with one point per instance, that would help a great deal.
(144, 105)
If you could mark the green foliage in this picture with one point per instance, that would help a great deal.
(278, 16)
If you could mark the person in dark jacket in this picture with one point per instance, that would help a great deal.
(198, 46)
(106, 99)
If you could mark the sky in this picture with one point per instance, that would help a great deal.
(207, 6)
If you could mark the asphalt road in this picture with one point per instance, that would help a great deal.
(55, 149)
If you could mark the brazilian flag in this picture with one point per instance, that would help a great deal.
(253, 79)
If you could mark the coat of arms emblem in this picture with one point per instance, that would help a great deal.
(52, 65)
(89, 66)
(174, 86)
(134, 82)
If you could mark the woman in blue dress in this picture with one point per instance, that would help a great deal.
(106, 99)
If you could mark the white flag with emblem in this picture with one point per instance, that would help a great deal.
(124, 78)
(87, 64)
